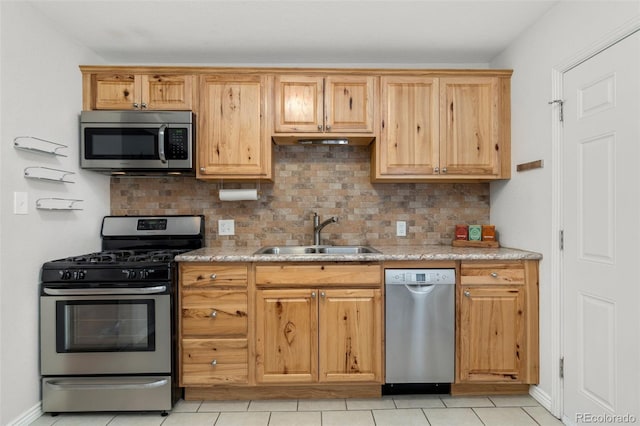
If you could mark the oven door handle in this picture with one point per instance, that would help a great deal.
(103, 291)
(97, 384)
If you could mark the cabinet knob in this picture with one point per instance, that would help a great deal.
(313, 294)
(202, 169)
(136, 105)
(143, 105)
(328, 126)
(214, 314)
(319, 126)
(322, 294)
(436, 170)
(494, 274)
(213, 276)
(467, 293)
(214, 362)
(444, 170)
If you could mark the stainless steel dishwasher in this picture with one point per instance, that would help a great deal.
(420, 326)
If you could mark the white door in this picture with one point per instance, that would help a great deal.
(601, 219)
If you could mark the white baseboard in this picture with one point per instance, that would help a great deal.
(28, 416)
(542, 397)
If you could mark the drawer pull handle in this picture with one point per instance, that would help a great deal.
(213, 276)
(214, 362)
(214, 314)
(494, 274)
(467, 293)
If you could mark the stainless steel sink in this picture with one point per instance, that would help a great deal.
(316, 250)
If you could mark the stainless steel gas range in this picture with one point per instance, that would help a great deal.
(107, 319)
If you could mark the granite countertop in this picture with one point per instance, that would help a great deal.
(387, 253)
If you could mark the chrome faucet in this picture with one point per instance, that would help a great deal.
(317, 227)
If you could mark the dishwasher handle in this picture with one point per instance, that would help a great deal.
(420, 289)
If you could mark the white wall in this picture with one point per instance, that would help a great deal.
(41, 96)
(521, 207)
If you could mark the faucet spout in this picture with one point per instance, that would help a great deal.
(317, 226)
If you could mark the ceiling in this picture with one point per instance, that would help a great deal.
(294, 31)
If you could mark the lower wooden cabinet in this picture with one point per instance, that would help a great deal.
(245, 330)
(318, 335)
(213, 324)
(497, 323)
(350, 335)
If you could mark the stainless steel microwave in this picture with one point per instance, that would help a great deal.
(137, 142)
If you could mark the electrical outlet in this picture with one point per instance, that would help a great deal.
(20, 201)
(226, 227)
(401, 228)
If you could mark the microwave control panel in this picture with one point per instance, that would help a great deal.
(177, 143)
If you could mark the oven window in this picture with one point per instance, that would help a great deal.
(121, 143)
(105, 326)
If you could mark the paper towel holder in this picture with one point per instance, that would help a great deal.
(239, 194)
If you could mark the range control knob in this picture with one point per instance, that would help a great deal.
(144, 274)
(65, 275)
(79, 275)
(129, 273)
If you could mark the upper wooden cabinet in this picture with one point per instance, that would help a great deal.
(324, 104)
(122, 91)
(469, 126)
(426, 125)
(233, 142)
(409, 142)
(452, 128)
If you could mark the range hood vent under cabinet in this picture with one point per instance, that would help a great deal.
(322, 140)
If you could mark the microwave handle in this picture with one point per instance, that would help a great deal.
(163, 157)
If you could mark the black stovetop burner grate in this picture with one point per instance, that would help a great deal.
(124, 256)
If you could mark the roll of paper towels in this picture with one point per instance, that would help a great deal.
(238, 194)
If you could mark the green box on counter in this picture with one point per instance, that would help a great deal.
(475, 232)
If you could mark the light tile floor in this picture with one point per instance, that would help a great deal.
(397, 410)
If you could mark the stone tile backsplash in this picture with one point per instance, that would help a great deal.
(333, 181)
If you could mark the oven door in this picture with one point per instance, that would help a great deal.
(105, 334)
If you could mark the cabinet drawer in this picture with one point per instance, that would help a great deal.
(214, 313)
(492, 273)
(318, 275)
(214, 361)
(207, 275)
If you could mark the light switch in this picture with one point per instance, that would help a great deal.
(20, 203)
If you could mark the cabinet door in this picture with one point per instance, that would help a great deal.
(349, 104)
(115, 91)
(469, 127)
(350, 324)
(298, 103)
(408, 145)
(286, 336)
(231, 140)
(491, 332)
(167, 92)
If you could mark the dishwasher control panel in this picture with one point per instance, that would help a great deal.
(420, 276)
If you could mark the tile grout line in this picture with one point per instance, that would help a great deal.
(528, 414)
